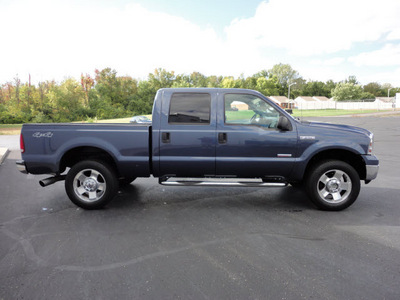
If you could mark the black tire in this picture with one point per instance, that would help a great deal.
(333, 185)
(91, 184)
(126, 181)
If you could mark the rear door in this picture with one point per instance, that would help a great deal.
(187, 135)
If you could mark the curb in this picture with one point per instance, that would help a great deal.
(3, 154)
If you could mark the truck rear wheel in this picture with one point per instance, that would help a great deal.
(333, 185)
(91, 184)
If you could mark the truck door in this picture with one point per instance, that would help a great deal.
(249, 143)
(187, 134)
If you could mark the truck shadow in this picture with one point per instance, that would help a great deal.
(154, 195)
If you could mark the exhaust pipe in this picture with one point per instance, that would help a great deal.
(51, 180)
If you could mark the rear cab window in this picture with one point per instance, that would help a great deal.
(190, 108)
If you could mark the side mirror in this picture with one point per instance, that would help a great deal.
(284, 124)
(289, 111)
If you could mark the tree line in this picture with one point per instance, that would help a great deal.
(107, 95)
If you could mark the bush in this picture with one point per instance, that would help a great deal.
(41, 118)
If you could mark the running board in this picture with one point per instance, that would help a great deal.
(240, 182)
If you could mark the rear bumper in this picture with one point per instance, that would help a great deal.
(21, 166)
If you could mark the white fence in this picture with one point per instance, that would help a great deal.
(361, 105)
(315, 104)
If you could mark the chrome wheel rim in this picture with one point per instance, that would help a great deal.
(89, 185)
(334, 186)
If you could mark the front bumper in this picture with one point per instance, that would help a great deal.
(372, 172)
(371, 167)
(21, 166)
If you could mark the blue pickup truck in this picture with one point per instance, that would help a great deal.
(204, 137)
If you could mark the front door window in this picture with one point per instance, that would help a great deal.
(241, 109)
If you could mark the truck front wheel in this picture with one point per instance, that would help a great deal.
(91, 184)
(333, 185)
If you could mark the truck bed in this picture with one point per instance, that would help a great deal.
(48, 144)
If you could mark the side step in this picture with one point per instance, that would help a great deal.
(241, 182)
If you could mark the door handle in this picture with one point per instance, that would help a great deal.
(222, 137)
(165, 137)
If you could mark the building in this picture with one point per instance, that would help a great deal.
(324, 102)
(305, 102)
(239, 105)
(282, 101)
(321, 98)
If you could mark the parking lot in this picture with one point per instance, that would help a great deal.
(157, 242)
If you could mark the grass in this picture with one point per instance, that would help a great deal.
(332, 112)
(239, 115)
(15, 129)
(10, 129)
(120, 120)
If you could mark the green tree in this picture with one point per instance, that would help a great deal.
(315, 88)
(262, 73)
(385, 89)
(352, 79)
(367, 96)
(87, 84)
(374, 88)
(329, 86)
(161, 79)
(198, 80)
(267, 87)
(347, 92)
(214, 81)
(230, 83)
(17, 89)
(143, 99)
(67, 101)
(182, 81)
(284, 73)
(108, 86)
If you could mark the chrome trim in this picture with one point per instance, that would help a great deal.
(284, 155)
(371, 172)
(239, 182)
(21, 166)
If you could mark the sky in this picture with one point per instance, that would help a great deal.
(321, 39)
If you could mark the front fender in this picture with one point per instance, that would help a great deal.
(319, 147)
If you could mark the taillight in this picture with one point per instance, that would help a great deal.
(21, 143)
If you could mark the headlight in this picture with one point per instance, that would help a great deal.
(371, 144)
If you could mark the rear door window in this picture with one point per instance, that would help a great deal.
(190, 108)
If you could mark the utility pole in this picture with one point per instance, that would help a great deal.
(289, 89)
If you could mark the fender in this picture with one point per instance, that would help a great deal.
(319, 147)
(86, 142)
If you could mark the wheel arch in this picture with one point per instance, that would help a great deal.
(81, 153)
(353, 159)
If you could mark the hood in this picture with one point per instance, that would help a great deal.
(339, 127)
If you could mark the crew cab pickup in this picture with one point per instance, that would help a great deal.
(204, 137)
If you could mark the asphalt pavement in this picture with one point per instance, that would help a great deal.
(157, 242)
